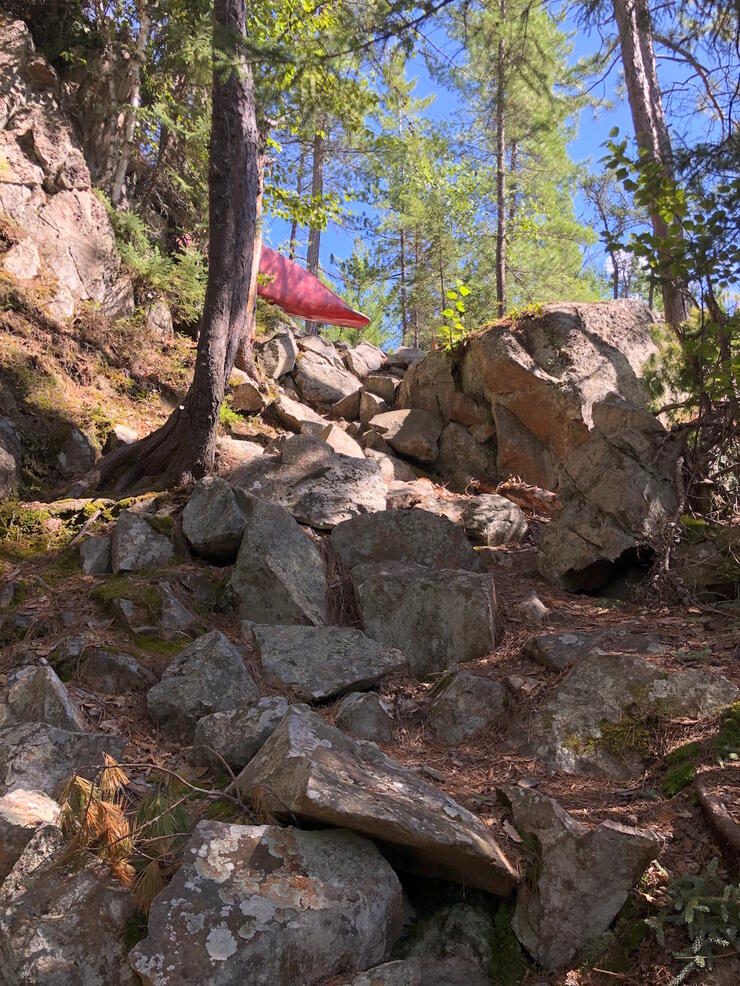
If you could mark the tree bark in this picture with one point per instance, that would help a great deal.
(299, 190)
(185, 445)
(651, 129)
(138, 58)
(314, 233)
(501, 173)
(404, 308)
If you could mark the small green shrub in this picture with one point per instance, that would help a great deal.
(678, 778)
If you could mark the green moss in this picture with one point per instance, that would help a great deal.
(228, 415)
(26, 532)
(152, 644)
(694, 528)
(128, 587)
(508, 966)
(727, 740)
(689, 751)
(677, 779)
(630, 734)
(161, 524)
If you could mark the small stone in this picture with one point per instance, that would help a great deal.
(136, 545)
(532, 610)
(464, 705)
(137, 618)
(238, 734)
(159, 321)
(319, 663)
(207, 676)
(95, 554)
(35, 694)
(246, 397)
(77, 454)
(21, 814)
(367, 716)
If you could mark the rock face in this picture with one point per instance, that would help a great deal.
(618, 489)
(319, 663)
(45, 186)
(435, 617)
(21, 814)
(214, 519)
(321, 383)
(136, 545)
(272, 907)
(278, 576)
(35, 694)
(558, 651)
(60, 925)
(597, 720)
(410, 432)
(465, 704)
(39, 757)
(462, 458)
(315, 484)
(314, 771)
(208, 676)
(236, 735)
(582, 879)
(404, 536)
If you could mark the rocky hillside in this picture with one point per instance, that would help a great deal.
(386, 702)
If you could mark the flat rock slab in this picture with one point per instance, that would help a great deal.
(39, 757)
(314, 771)
(558, 651)
(279, 575)
(582, 879)
(21, 814)
(319, 663)
(207, 676)
(236, 735)
(404, 536)
(61, 925)
(270, 907)
(597, 720)
(135, 545)
(436, 617)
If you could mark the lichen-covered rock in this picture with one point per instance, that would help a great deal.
(318, 663)
(279, 575)
(421, 972)
(436, 617)
(311, 770)
(39, 757)
(320, 383)
(558, 651)
(465, 704)
(136, 545)
(416, 536)
(317, 485)
(113, 673)
(491, 519)
(367, 716)
(21, 814)
(413, 433)
(582, 877)
(35, 694)
(95, 554)
(207, 676)
(62, 925)
(214, 519)
(270, 907)
(597, 720)
(238, 734)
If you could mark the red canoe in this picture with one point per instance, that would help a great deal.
(301, 294)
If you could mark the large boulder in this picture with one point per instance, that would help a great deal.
(236, 735)
(270, 907)
(429, 385)
(276, 355)
(63, 923)
(436, 617)
(45, 186)
(136, 545)
(364, 359)
(279, 575)
(311, 770)
(320, 383)
(491, 520)
(214, 519)
(462, 459)
(412, 433)
(207, 676)
(619, 492)
(21, 814)
(319, 663)
(600, 718)
(35, 694)
(38, 757)
(318, 486)
(415, 536)
(581, 879)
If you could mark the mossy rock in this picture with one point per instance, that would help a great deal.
(677, 779)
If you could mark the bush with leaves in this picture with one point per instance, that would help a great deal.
(708, 911)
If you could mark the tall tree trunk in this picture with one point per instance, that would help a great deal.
(651, 129)
(404, 304)
(185, 445)
(417, 268)
(314, 233)
(501, 173)
(138, 58)
(299, 190)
